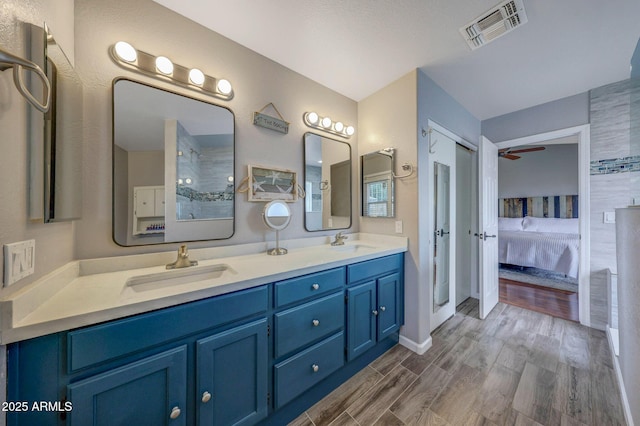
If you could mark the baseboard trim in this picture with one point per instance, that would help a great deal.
(418, 348)
(625, 401)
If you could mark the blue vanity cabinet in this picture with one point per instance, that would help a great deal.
(151, 391)
(375, 301)
(232, 376)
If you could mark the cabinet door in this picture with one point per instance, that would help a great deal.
(389, 308)
(151, 391)
(159, 202)
(361, 320)
(232, 376)
(145, 202)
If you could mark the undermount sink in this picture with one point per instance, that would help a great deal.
(178, 277)
(351, 248)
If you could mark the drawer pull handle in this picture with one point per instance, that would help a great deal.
(315, 322)
(382, 308)
(374, 312)
(206, 397)
(175, 413)
(315, 286)
(315, 368)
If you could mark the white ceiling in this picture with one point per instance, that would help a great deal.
(356, 47)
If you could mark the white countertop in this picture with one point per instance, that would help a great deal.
(86, 292)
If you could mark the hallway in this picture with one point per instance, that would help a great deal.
(517, 367)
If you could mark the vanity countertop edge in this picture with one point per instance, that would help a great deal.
(80, 293)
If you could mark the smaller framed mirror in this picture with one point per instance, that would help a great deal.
(327, 176)
(378, 192)
(277, 215)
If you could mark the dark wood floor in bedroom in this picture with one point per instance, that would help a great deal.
(558, 303)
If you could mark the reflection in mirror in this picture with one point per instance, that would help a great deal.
(56, 165)
(173, 167)
(277, 215)
(441, 235)
(327, 183)
(377, 184)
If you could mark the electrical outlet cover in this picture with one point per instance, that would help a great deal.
(19, 261)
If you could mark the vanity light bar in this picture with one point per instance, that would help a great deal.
(163, 68)
(313, 120)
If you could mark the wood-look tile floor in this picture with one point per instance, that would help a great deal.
(517, 367)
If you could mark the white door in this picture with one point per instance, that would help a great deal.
(488, 229)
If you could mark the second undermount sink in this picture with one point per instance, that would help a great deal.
(351, 248)
(179, 276)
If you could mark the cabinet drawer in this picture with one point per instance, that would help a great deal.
(97, 344)
(375, 267)
(303, 324)
(308, 286)
(298, 373)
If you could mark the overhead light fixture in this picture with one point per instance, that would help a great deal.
(312, 119)
(162, 68)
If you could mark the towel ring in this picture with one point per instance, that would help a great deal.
(7, 60)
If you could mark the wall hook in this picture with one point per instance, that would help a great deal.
(405, 167)
(7, 60)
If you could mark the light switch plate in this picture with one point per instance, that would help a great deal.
(398, 227)
(609, 217)
(19, 261)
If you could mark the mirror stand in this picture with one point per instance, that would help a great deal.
(277, 215)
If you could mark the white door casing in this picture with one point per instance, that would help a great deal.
(488, 229)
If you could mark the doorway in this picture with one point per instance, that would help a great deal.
(581, 133)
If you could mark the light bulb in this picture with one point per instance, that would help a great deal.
(230, 179)
(338, 126)
(188, 181)
(180, 181)
(164, 65)
(224, 86)
(125, 51)
(312, 118)
(326, 122)
(350, 130)
(196, 77)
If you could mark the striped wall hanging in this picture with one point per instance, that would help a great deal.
(562, 206)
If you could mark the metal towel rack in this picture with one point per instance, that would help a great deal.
(7, 60)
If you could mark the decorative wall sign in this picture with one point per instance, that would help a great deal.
(268, 184)
(269, 122)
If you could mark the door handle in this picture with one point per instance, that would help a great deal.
(442, 232)
(487, 236)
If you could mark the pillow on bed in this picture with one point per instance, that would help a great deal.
(510, 224)
(550, 224)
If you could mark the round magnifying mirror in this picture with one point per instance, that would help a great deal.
(277, 215)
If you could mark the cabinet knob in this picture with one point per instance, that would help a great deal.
(315, 286)
(374, 312)
(206, 397)
(175, 413)
(315, 322)
(315, 368)
(382, 308)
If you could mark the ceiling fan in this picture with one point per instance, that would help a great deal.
(508, 152)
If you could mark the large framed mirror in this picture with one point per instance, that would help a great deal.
(378, 195)
(173, 167)
(327, 175)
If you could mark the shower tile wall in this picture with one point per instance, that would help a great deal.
(613, 169)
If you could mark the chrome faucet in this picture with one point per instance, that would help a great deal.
(339, 239)
(183, 259)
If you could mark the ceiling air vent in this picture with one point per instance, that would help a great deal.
(496, 22)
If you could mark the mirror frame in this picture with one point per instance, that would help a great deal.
(268, 222)
(113, 166)
(392, 201)
(304, 162)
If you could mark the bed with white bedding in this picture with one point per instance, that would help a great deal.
(552, 244)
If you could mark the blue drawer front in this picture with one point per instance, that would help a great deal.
(374, 268)
(97, 344)
(296, 374)
(308, 286)
(297, 327)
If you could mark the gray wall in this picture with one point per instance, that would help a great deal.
(555, 115)
(553, 171)
(144, 23)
